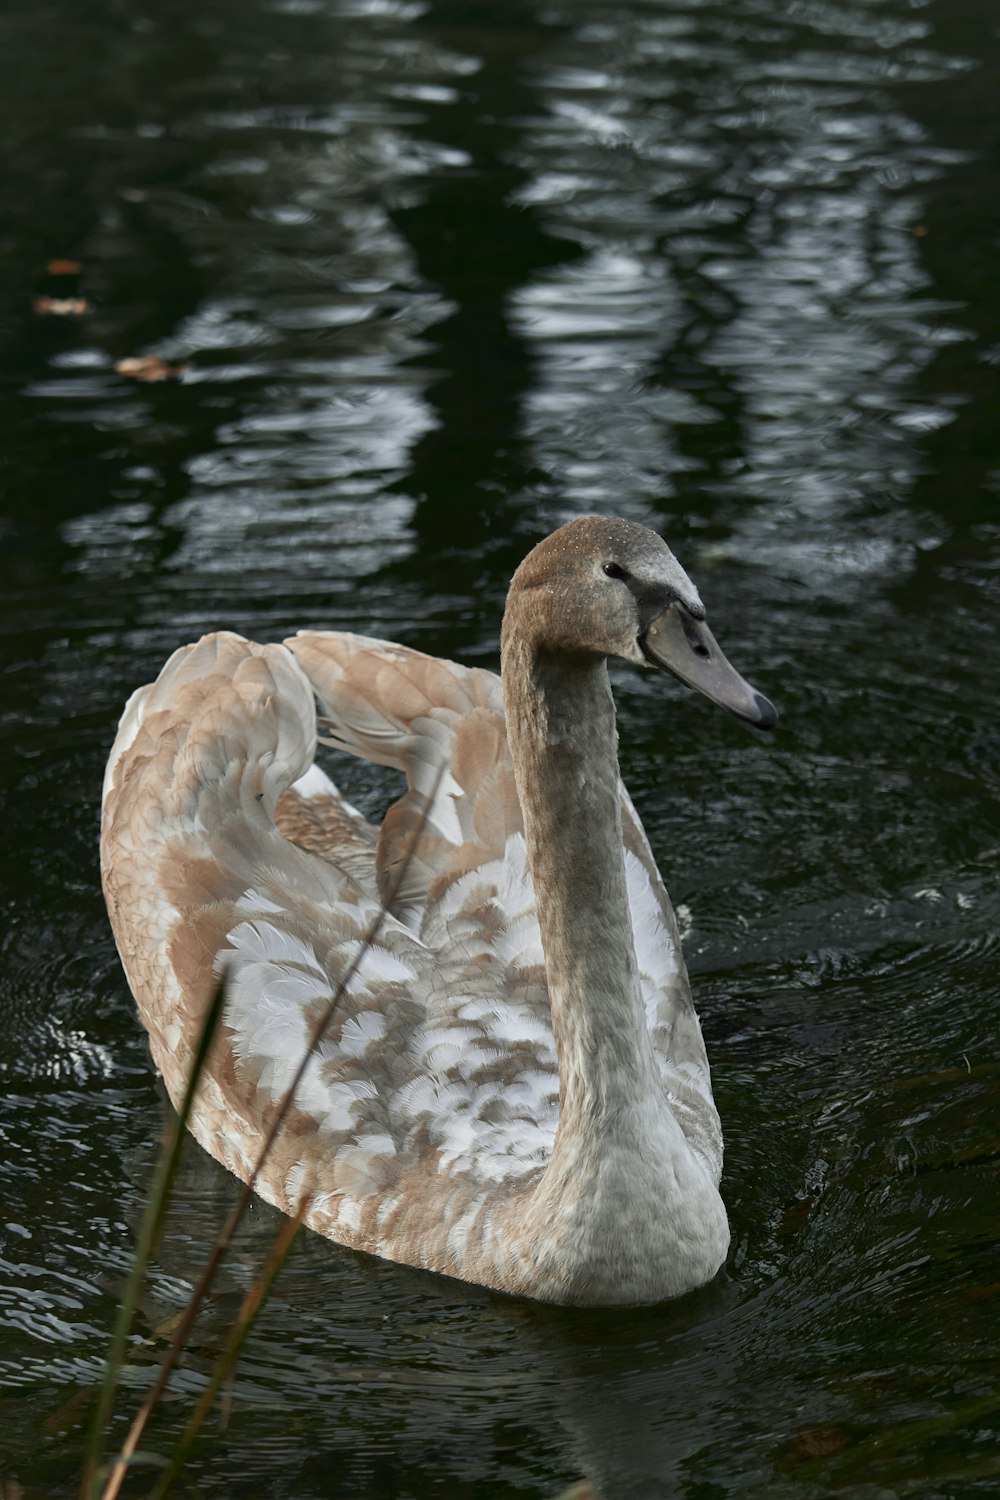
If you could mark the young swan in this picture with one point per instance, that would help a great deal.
(513, 1088)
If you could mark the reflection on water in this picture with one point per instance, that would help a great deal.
(776, 243)
(441, 275)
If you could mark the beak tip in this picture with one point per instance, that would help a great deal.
(767, 714)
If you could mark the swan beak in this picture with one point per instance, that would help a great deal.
(678, 643)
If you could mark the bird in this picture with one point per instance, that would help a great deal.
(510, 1086)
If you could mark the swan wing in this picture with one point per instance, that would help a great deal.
(439, 723)
(200, 881)
(674, 1028)
(489, 1024)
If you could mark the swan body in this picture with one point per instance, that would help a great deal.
(513, 1088)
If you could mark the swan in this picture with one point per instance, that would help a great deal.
(513, 1089)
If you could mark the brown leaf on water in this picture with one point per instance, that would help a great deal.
(61, 307)
(64, 268)
(68, 1416)
(166, 1325)
(818, 1442)
(149, 367)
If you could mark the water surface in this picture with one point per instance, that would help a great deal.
(440, 277)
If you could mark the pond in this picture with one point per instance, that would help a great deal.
(428, 279)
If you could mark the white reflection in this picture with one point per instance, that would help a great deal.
(750, 254)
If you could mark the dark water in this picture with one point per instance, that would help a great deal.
(443, 275)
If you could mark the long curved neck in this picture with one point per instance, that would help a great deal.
(624, 1211)
(563, 740)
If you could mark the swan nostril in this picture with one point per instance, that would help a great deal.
(695, 636)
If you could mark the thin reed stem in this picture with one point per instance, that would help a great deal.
(148, 1237)
(245, 1318)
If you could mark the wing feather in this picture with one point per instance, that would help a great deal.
(439, 723)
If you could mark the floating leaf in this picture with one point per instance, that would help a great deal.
(819, 1442)
(61, 307)
(149, 367)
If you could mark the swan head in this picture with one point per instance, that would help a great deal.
(604, 587)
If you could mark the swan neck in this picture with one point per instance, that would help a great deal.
(563, 737)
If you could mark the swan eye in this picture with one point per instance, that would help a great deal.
(615, 570)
